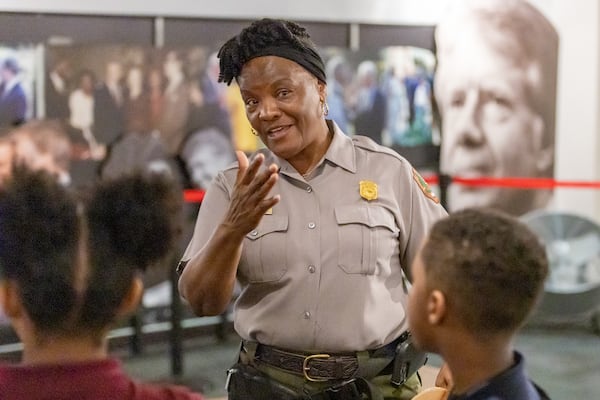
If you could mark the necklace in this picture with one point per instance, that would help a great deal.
(306, 174)
(309, 172)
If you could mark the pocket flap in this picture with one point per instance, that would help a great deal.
(369, 216)
(269, 224)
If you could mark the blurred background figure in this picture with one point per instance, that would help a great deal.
(82, 118)
(81, 103)
(339, 77)
(496, 91)
(208, 147)
(140, 148)
(206, 152)
(420, 99)
(156, 96)
(214, 96)
(176, 104)
(109, 96)
(136, 103)
(13, 102)
(370, 105)
(43, 145)
(57, 89)
(398, 108)
(208, 101)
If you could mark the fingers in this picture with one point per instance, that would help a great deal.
(250, 198)
(246, 176)
(242, 164)
(269, 203)
(264, 182)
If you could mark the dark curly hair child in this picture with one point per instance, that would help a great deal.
(70, 268)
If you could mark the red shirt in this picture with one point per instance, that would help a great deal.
(94, 380)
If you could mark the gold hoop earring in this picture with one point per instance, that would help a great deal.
(253, 131)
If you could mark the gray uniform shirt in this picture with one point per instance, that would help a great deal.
(323, 269)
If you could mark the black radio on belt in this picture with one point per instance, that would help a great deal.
(407, 361)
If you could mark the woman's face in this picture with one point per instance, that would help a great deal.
(283, 104)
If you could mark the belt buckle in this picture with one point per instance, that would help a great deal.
(306, 368)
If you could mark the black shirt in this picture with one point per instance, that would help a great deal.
(511, 384)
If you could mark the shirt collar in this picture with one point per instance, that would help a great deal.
(340, 152)
(514, 376)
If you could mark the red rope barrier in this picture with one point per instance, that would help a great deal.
(193, 195)
(432, 179)
(517, 182)
(196, 195)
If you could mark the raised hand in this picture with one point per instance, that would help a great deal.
(250, 199)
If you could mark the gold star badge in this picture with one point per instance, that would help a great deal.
(368, 190)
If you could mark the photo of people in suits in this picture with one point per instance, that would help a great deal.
(17, 83)
(135, 107)
(385, 92)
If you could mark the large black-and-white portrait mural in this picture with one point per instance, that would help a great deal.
(495, 85)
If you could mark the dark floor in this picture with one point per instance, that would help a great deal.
(563, 359)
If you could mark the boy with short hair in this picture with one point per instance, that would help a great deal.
(476, 279)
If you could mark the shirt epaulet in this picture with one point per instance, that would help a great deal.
(369, 144)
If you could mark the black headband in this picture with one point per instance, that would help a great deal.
(307, 58)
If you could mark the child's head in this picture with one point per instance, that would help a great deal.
(479, 271)
(69, 265)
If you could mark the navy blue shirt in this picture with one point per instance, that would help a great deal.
(511, 384)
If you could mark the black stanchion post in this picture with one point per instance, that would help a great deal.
(445, 181)
(176, 334)
(135, 340)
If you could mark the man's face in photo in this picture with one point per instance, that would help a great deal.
(489, 127)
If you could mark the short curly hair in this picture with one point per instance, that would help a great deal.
(490, 265)
(269, 37)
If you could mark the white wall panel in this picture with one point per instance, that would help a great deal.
(422, 12)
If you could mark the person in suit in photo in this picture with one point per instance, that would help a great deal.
(13, 102)
(109, 97)
(370, 103)
(57, 88)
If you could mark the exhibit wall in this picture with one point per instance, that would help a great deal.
(353, 24)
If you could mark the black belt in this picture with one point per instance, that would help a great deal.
(314, 367)
(321, 366)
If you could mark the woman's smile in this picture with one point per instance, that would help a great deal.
(278, 132)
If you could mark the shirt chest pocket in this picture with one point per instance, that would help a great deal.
(367, 238)
(264, 252)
